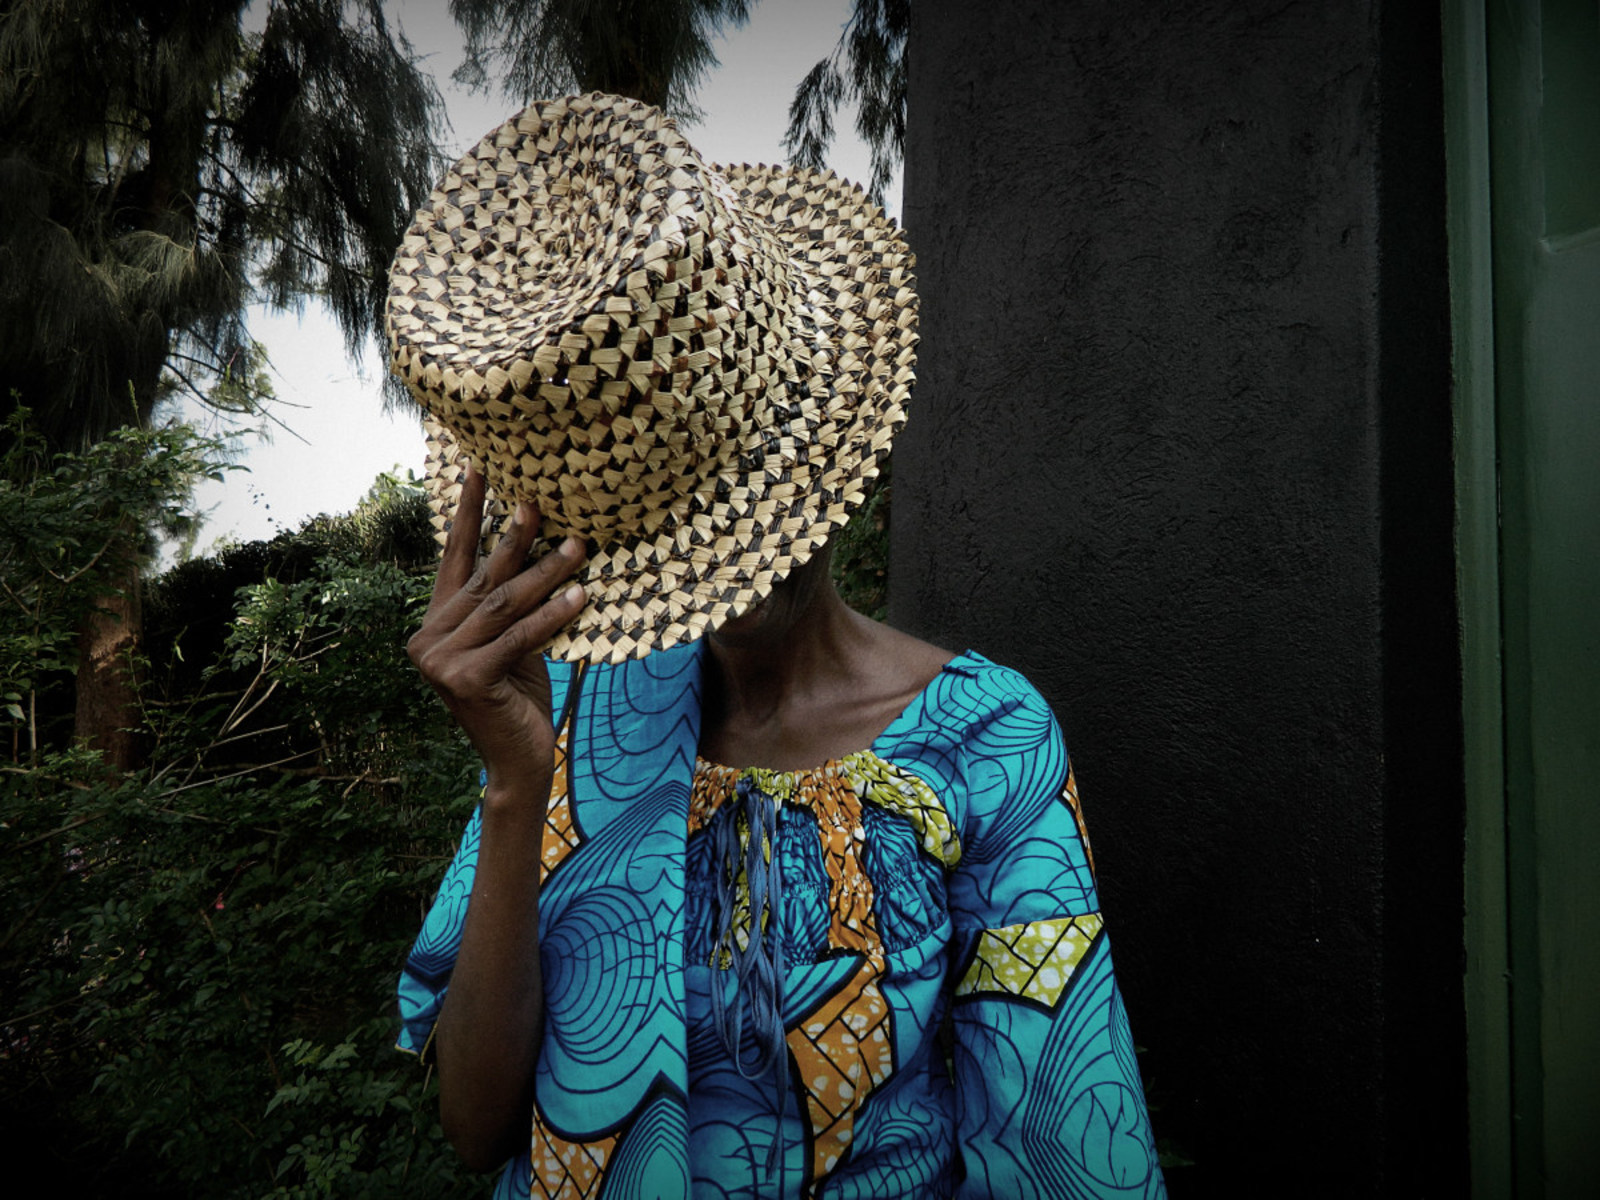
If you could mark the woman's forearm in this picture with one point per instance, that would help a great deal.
(488, 1034)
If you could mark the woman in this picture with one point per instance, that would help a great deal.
(763, 898)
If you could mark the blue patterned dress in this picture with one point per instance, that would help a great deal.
(883, 977)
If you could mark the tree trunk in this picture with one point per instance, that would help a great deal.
(107, 702)
(107, 693)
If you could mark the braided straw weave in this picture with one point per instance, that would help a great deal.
(696, 369)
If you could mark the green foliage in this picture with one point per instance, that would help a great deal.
(316, 640)
(391, 524)
(861, 553)
(198, 959)
(243, 384)
(204, 968)
(74, 530)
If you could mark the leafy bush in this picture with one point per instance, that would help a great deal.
(206, 972)
(189, 611)
(198, 960)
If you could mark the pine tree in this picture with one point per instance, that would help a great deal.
(657, 51)
(867, 68)
(162, 167)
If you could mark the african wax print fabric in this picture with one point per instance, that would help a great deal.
(884, 977)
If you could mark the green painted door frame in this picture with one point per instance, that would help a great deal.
(1523, 142)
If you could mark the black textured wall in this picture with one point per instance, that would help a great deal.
(1180, 450)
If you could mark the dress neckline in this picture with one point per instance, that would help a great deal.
(961, 659)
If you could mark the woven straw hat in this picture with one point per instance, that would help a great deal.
(697, 369)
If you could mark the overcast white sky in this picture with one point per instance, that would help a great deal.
(341, 438)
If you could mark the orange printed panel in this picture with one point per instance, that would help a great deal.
(564, 1170)
(1069, 793)
(842, 1052)
(710, 786)
(560, 834)
(838, 809)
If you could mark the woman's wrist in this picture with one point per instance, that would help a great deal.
(517, 793)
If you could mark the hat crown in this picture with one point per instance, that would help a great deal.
(582, 275)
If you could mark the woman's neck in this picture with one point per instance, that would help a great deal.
(804, 679)
(766, 669)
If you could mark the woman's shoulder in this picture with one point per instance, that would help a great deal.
(969, 700)
(912, 662)
(972, 690)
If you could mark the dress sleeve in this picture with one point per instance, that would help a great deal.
(425, 978)
(1050, 1104)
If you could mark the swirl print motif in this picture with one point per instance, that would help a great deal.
(933, 961)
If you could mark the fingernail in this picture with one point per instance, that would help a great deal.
(519, 515)
(574, 593)
(571, 547)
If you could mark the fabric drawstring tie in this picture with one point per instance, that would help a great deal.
(746, 849)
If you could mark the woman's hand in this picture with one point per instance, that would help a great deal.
(479, 641)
